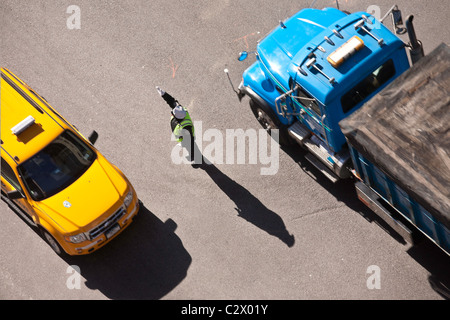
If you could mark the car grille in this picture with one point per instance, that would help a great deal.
(105, 225)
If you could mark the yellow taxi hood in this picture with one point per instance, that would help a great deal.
(96, 194)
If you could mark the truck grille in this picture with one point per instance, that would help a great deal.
(106, 224)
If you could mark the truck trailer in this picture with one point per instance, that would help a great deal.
(399, 142)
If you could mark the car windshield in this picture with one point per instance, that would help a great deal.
(56, 166)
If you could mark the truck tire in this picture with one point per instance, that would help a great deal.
(268, 120)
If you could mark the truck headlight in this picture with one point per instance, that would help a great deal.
(76, 238)
(128, 199)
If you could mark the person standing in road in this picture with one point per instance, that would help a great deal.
(181, 125)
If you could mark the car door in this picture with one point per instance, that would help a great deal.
(10, 182)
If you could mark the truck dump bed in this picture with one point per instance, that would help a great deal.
(405, 132)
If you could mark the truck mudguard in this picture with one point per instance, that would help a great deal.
(261, 89)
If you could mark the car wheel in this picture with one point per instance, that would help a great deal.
(52, 242)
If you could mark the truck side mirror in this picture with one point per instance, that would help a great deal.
(243, 55)
(93, 137)
(397, 21)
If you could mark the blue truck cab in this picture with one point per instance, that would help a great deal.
(315, 69)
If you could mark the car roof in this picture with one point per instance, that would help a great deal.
(19, 102)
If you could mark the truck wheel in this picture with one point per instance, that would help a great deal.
(269, 121)
(52, 242)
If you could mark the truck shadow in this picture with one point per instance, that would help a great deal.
(146, 261)
(424, 251)
(343, 190)
(436, 262)
(249, 207)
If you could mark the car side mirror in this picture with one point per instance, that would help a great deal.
(93, 137)
(15, 194)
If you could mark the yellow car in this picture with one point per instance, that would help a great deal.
(55, 178)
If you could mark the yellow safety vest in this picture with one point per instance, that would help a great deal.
(178, 130)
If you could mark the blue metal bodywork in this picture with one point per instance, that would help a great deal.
(288, 47)
(391, 195)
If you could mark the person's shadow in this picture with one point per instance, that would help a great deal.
(248, 206)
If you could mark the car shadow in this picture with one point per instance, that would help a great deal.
(249, 207)
(146, 261)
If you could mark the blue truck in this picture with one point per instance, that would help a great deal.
(315, 69)
(319, 68)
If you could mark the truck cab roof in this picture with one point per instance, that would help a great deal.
(314, 35)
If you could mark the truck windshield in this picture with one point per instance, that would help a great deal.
(56, 166)
(369, 85)
(302, 97)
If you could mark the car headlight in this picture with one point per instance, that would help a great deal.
(76, 238)
(128, 199)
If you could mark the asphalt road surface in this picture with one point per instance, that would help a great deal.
(227, 232)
